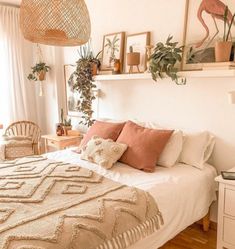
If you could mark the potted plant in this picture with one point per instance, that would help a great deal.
(164, 60)
(81, 80)
(39, 72)
(85, 52)
(65, 123)
(223, 48)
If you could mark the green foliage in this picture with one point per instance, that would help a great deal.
(81, 81)
(37, 69)
(164, 59)
(225, 17)
(67, 122)
(64, 121)
(61, 115)
(226, 22)
(85, 52)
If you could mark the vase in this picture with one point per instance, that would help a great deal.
(59, 129)
(94, 69)
(117, 66)
(223, 51)
(42, 75)
(66, 129)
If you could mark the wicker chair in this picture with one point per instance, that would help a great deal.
(23, 129)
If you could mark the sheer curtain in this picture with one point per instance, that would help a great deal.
(17, 95)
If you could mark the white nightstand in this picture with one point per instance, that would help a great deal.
(226, 214)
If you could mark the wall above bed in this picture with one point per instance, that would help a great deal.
(201, 104)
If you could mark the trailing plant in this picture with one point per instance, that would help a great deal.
(85, 52)
(227, 22)
(81, 81)
(37, 69)
(164, 59)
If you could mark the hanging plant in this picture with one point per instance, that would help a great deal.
(82, 82)
(164, 59)
(39, 72)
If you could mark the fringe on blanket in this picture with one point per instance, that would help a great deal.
(135, 234)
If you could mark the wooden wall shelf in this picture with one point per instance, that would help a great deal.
(183, 74)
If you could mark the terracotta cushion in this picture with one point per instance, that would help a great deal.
(144, 145)
(103, 130)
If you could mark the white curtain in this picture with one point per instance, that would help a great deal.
(17, 94)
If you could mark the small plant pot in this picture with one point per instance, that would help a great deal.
(66, 129)
(42, 75)
(133, 59)
(223, 51)
(94, 69)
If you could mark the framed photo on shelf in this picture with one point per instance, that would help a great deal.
(71, 96)
(138, 42)
(203, 27)
(113, 48)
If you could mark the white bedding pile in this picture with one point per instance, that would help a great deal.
(183, 193)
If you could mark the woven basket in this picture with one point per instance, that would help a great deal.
(55, 22)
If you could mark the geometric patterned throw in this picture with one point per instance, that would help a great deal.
(52, 205)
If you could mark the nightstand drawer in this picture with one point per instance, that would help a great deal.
(53, 143)
(229, 206)
(229, 228)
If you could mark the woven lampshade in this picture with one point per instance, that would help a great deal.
(55, 22)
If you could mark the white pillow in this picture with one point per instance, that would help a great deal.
(172, 150)
(104, 152)
(197, 149)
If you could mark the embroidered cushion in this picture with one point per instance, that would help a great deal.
(104, 152)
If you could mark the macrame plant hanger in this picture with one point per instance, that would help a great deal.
(39, 57)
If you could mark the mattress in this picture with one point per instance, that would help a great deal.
(183, 193)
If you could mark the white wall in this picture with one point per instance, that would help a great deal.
(200, 105)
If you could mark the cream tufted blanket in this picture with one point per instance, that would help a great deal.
(51, 205)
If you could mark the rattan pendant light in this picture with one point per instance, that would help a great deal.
(55, 22)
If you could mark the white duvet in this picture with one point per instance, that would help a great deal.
(183, 193)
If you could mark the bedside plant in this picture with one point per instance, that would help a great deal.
(39, 72)
(164, 59)
(65, 122)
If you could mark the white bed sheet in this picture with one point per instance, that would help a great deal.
(183, 193)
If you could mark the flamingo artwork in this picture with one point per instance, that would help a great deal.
(216, 9)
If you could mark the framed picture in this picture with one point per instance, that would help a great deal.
(71, 96)
(113, 48)
(138, 42)
(203, 26)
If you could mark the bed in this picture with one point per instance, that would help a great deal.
(36, 198)
(183, 193)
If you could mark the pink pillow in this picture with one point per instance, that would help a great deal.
(144, 145)
(104, 130)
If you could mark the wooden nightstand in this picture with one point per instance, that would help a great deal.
(226, 214)
(61, 142)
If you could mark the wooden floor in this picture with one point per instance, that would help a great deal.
(193, 238)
